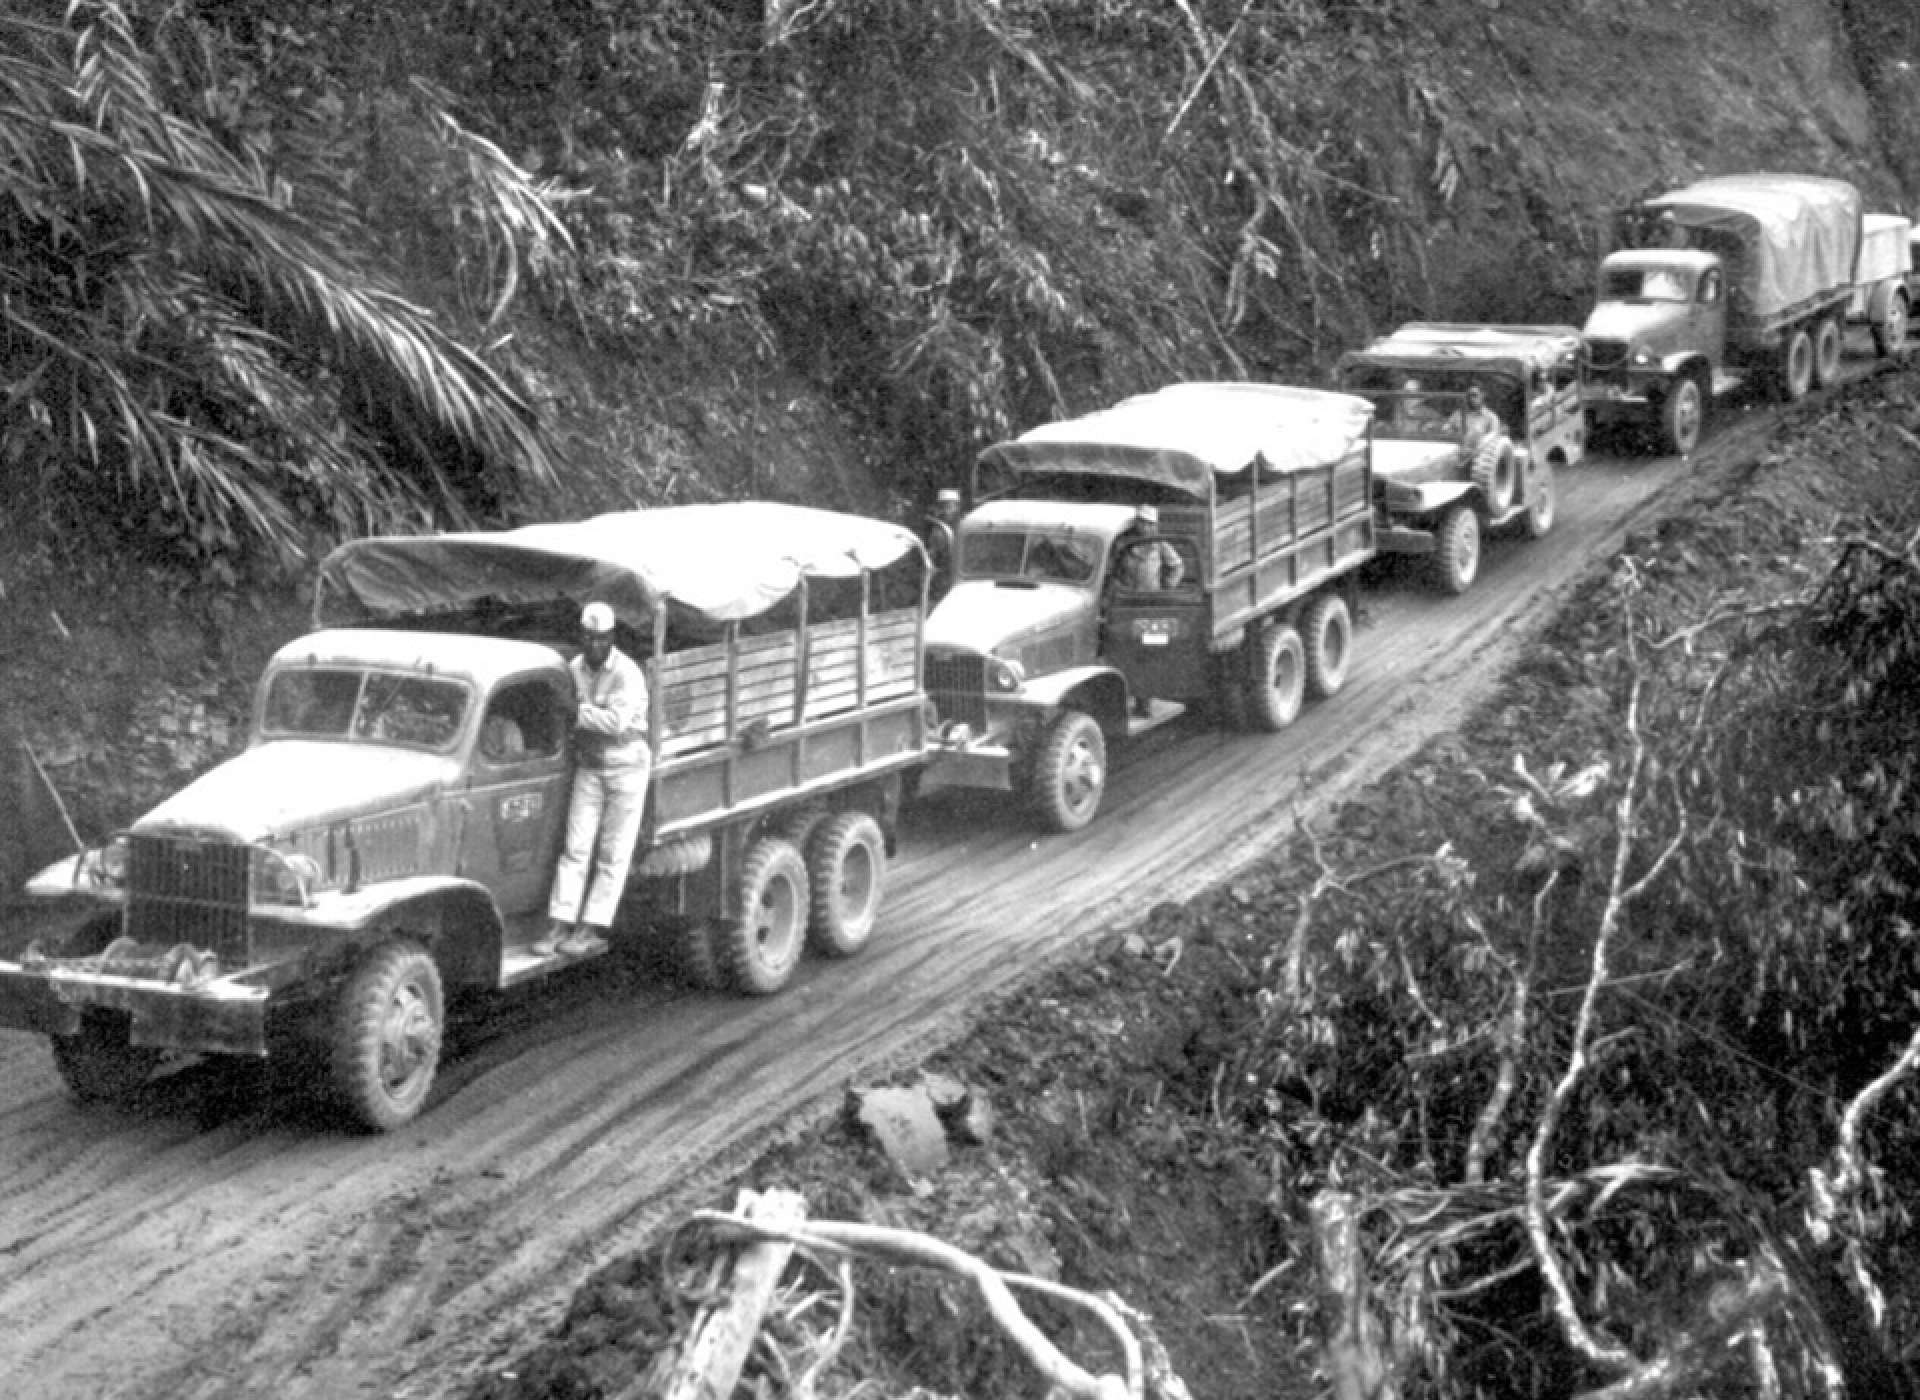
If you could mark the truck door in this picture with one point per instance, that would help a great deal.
(1707, 317)
(517, 793)
(1157, 638)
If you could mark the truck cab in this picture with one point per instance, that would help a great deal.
(1656, 340)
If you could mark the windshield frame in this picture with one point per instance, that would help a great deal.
(379, 705)
(1059, 554)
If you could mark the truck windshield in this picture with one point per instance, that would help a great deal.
(1056, 556)
(375, 706)
(1646, 284)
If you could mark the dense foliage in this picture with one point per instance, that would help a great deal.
(201, 356)
(1631, 1001)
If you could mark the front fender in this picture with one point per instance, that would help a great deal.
(1682, 363)
(1099, 690)
(456, 918)
(1424, 498)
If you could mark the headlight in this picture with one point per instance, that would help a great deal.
(1006, 675)
(283, 878)
(105, 866)
(1643, 357)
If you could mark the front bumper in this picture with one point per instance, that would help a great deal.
(221, 1016)
(969, 764)
(1611, 402)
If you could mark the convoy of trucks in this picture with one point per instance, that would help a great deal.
(389, 832)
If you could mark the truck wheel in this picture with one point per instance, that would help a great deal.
(1277, 683)
(846, 868)
(1890, 332)
(1069, 772)
(1538, 518)
(1826, 351)
(1796, 366)
(761, 947)
(1456, 556)
(1494, 472)
(1327, 629)
(99, 1064)
(386, 1036)
(1682, 413)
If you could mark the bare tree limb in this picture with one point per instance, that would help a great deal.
(1590, 1344)
(1512, 1040)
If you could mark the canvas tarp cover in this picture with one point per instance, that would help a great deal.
(1802, 233)
(1183, 435)
(1510, 350)
(710, 563)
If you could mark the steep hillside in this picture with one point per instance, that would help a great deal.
(827, 251)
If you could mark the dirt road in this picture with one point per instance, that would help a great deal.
(221, 1239)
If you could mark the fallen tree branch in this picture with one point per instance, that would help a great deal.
(907, 1248)
(1621, 895)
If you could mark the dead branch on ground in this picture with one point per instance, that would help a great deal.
(1621, 895)
(1147, 1373)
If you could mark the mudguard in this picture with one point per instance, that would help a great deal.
(1426, 497)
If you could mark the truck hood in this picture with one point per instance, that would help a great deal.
(991, 618)
(290, 784)
(1410, 461)
(1653, 324)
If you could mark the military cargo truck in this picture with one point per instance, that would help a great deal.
(1043, 652)
(389, 833)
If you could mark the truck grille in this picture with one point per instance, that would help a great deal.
(180, 890)
(1606, 355)
(958, 685)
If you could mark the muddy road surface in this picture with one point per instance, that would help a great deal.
(221, 1237)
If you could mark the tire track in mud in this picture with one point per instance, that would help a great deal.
(207, 1248)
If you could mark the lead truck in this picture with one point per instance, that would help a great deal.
(1041, 654)
(389, 833)
(1725, 279)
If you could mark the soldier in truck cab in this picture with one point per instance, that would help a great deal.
(1143, 561)
(612, 764)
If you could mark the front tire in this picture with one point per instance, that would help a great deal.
(99, 1064)
(1826, 351)
(1890, 333)
(1277, 679)
(1069, 772)
(846, 870)
(761, 947)
(1327, 630)
(387, 1035)
(1682, 413)
(1456, 555)
(1796, 366)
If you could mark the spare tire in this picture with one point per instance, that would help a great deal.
(1497, 475)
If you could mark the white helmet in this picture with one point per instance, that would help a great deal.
(596, 617)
